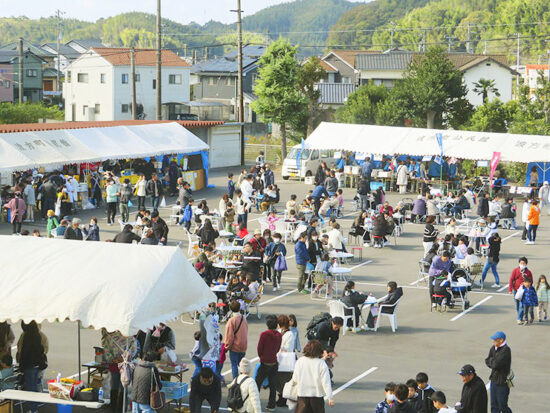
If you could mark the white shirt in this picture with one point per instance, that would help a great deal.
(525, 211)
(335, 239)
(288, 342)
(246, 188)
(241, 207)
(312, 378)
(446, 410)
(142, 188)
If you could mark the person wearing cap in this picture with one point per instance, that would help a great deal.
(499, 361)
(249, 389)
(440, 403)
(544, 197)
(17, 209)
(474, 392)
(74, 232)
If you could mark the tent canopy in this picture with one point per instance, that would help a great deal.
(389, 140)
(55, 148)
(122, 287)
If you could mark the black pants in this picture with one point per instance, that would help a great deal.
(97, 198)
(310, 405)
(316, 206)
(269, 371)
(16, 226)
(268, 269)
(111, 212)
(141, 202)
(276, 277)
(47, 204)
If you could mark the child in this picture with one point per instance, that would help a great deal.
(425, 392)
(385, 404)
(271, 219)
(229, 217)
(543, 295)
(294, 329)
(340, 198)
(470, 259)
(230, 185)
(529, 301)
(291, 205)
(440, 403)
(187, 215)
(219, 365)
(324, 266)
(6, 370)
(52, 224)
(292, 216)
(441, 286)
(413, 394)
(253, 288)
(195, 354)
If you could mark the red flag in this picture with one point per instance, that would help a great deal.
(494, 164)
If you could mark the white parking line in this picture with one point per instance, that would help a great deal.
(419, 280)
(251, 360)
(76, 375)
(456, 317)
(510, 236)
(503, 288)
(354, 380)
(278, 297)
(360, 265)
(290, 257)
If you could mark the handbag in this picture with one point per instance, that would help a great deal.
(286, 361)
(158, 398)
(280, 263)
(519, 293)
(163, 203)
(290, 390)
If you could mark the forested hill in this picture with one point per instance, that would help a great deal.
(493, 25)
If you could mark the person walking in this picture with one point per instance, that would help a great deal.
(249, 390)
(363, 191)
(125, 194)
(141, 191)
(268, 347)
(543, 295)
(474, 392)
(493, 254)
(154, 188)
(516, 281)
(29, 197)
(524, 214)
(17, 208)
(499, 361)
(286, 358)
(236, 337)
(402, 177)
(95, 189)
(302, 258)
(111, 199)
(534, 220)
(146, 377)
(312, 378)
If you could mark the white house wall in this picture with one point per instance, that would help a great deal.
(489, 70)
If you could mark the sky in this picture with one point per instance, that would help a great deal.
(182, 11)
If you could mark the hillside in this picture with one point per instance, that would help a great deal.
(138, 29)
(494, 20)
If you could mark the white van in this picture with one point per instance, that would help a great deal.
(310, 159)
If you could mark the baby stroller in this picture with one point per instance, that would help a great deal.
(460, 293)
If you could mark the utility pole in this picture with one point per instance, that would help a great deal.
(206, 53)
(58, 15)
(240, 74)
(391, 34)
(20, 77)
(518, 58)
(133, 74)
(485, 48)
(549, 65)
(468, 43)
(450, 40)
(424, 40)
(185, 50)
(159, 64)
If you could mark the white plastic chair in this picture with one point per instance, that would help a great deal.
(338, 309)
(422, 274)
(392, 317)
(263, 224)
(284, 229)
(193, 245)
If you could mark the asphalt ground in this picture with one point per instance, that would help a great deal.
(435, 343)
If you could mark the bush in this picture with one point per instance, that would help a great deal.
(28, 112)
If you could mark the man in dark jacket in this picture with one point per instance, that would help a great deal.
(49, 196)
(155, 189)
(328, 332)
(318, 192)
(74, 232)
(363, 191)
(205, 386)
(483, 206)
(474, 392)
(125, 196)
(160, 229)
(127, 235)
(269, 177)
(141, 382)
(499, 361)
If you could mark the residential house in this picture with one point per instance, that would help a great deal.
(215, 85)
(6, 77)
(334, 95)
(83, 45)
(66, 54)
(32, 74)
(49, 81)
(531, 76)
(97, 85)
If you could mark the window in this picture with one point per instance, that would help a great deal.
(154, 83)
(212, 81)
(124, 108)
(7, 83)
(346, 79)
(82, 77)
(68, 76)
(137, 77)
(103, 78)
(32, 73)
(97, 109)
(84, 110)
(124, 78)
(174, 79)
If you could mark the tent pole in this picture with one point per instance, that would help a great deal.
(79, 363)
(125, 390)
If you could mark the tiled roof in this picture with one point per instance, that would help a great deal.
(327, 66)
(144, 57)
(349, 55)
(49, 72)
(223, 65)
(88, 43)
(64, 50)
(27, 46)
(386, 61)
(35, 127)
(250, 51)
(335, 93)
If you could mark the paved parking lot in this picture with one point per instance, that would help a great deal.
(436, 343)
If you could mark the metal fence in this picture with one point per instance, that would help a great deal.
(272, 153)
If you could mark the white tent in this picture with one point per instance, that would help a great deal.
(122, 287)
(55, 148)
(388, 140)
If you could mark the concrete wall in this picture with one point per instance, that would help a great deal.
(489, 70)
(6, 87)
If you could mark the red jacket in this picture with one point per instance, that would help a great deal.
(516, 279)
(269, 345)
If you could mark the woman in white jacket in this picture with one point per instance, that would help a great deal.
(249, 390)
(286, 357)
(312, 379)
(141, 190)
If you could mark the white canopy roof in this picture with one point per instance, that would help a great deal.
(54, 148)
(124, 287)
(389, 140)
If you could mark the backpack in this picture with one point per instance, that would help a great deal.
(311, 331)
(235, 399)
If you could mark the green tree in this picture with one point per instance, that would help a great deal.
(493, 116)
(485, 86)
(279, 99)
(363, 106)
(432, 89)
(28, 112)
(533, 114)
(311, 73)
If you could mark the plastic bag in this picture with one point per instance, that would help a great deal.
(163, 203)
(130, 204)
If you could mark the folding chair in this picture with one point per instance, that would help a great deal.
(338, 309)
(392, 317)
(11, 382)
(475, 271)
(318, 278)
(423, 275)
(254, 303)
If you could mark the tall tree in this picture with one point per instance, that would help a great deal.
(485, 86)
(311, 73)
(279, 99)
(432, 88)
(363, 106)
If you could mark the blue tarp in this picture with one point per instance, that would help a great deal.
(543, 168)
